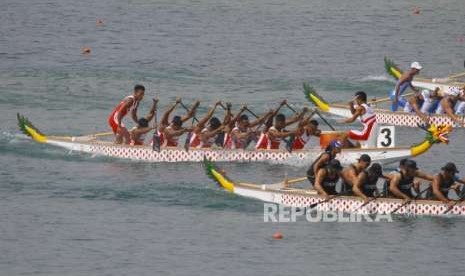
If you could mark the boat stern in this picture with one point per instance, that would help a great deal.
(218, 175)
(30, 130)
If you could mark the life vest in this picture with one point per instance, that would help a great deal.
(329, 183)
(445, 185)
(311, 170)
(369, 187)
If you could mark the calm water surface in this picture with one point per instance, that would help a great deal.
(64, 213)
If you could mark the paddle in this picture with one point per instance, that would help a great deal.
(410, 200)
(251, 112)
(84, 138)
(331, 198)
(156, 135)
(366, 203)
(189, 134)
(461, 199)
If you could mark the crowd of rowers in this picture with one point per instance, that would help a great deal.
(450, 101)
(361, 179)
(235, 131)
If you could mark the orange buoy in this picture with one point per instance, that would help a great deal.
(278, 235)
(85, 51)
(99, 23)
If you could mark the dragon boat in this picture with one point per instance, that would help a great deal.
(385, 116)
(93, 145)
(279, 193)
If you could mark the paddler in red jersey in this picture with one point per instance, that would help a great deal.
(275, 134)
(171, 131)
(308, 129)
(205, 136)
(361, 110)
(138, 133)
(242, 133)
(115, 120)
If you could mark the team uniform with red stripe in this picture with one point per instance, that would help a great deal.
(196, 141)
(301, 140)
(366, 137)
(168, 142)
(113, 118)
(266, 142)
(233, 143)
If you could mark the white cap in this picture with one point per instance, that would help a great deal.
(416, 65)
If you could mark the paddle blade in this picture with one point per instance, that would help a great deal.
(290, 143)
(220, 139)
(156, 142)
(188, 141)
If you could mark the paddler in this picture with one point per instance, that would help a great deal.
(327, 178)
(304, 133)
(128, 104)
(403, 83)
(321, 161)
(204, 136)
(451, 97)
(171, 131)
(243, 131)
(365, 185)
(444, 181)
(423, 103)
(274, 136)
(361, 110)
(400, 183)
(352, 172)
(138, 133)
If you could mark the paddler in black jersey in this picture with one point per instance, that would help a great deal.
(400, 183)
(329, 154)
(365, 184)
(327, 177)
(352, 172)
(444, 181)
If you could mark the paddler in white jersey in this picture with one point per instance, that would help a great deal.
(453, 104)
(138, 133)
(404, 82)
(308, 129)
(361, 110)
(423, 103)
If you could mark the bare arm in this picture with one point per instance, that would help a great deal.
(201, 124)
(319, 164)
(394, 188)
(191, 112)
(277, 134)
(320, 176)
(446, 106)
(297, 117)
(436, 189)
(165, 119)
(259, 120)
(424, 175)
(126, 105)
(357, 187)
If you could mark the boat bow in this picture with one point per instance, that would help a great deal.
(434, 135)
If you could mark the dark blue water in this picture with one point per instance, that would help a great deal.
(64, 213)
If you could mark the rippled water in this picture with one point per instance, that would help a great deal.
(64, 213)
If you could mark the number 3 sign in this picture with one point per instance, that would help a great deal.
(386, 137)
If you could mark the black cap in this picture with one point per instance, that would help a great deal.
(376, 169)
(410, 164)
(450, 167)
(365, 157)
(335, 164)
